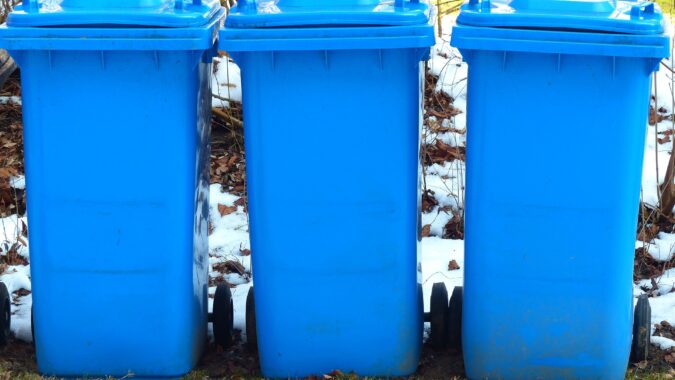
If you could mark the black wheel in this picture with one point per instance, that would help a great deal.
(7, 67)
(455, 319)
(32, 324)
(642, 328)
(6, 313)
(420, 305)
(222, 316)
(438, 337)
(251, 332)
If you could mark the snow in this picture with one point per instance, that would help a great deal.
(11, 228)
(663, 309)
(662, 247)
(17, 182)
(10, 100)
(446, 62)
(664, 284)
(436, 254)
(656, 151)
(17, 277)
(226, 82)
(228, 238)
(663, 343)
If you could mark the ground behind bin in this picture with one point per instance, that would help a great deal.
(442, 245)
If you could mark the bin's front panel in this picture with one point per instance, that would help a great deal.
(332, 142)
(116, 176)
(554, 161)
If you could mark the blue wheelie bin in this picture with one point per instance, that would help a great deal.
(558, 99)
(116, 107)
(332, 111)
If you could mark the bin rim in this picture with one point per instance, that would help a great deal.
(339, 38)
(111, 38)
(336, 37)
(165, 13)
(611, 16)
(468, 38)
(306, 13)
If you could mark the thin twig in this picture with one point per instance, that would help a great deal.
(227, 117)
(222, 98)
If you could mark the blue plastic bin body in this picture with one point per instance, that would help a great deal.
(116, 134)
(332, 128)
(556, 130)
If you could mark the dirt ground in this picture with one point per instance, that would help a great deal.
(17, 361)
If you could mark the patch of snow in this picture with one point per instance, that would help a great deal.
(21, 318)
(17, 278)
(656, 152)
(10, 100)
(664, 283)
(11, 229)
(446, 63)
(663, 308)
(662, 342)
(230, 232)
(17, 182)
(228, 238)
(664, 86)
(437, 219)
(663, 247)
(454, 139)
(652, 153)
(436, 255)
(447, 183)
(226, 83)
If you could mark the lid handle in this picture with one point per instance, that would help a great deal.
(179, 3)
(30, 5)
(641, 10)
(399, 3)
(484, 4)
(247, 6)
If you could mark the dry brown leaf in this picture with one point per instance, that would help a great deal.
(229, 266)
(226, 210)
(452, 265)
(428, 201)
(670, 358)
(663, 140)
(426, 230)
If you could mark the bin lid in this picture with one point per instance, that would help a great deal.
(150, 13)
(298, 13)
(614, 16)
